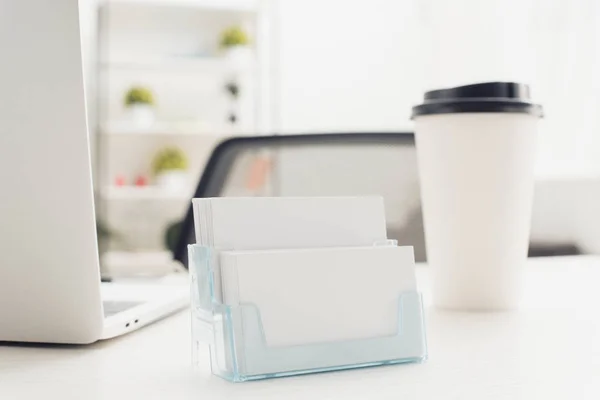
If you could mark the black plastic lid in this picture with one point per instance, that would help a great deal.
(487, 97)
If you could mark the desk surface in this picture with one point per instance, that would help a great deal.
(550, 349)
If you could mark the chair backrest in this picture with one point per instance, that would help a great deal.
(319, 165)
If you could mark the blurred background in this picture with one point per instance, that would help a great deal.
(167, 80)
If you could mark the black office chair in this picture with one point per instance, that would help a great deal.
(318, 165)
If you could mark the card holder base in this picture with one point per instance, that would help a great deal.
(239, 351)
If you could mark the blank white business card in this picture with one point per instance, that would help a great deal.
(255, 223)
(320, 295)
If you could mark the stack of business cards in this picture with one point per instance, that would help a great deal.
(308, 296)
(312, 266)
(260, 223)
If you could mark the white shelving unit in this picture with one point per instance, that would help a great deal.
(234, 5)
(168, 129)
(137, 193)
(214, 65)
(171, 47)
(204, 64)
(148, 263)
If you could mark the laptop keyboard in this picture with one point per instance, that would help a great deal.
(115, 307)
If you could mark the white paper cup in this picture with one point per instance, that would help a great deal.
(476, 148)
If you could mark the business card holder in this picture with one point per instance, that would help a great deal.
(239, 351)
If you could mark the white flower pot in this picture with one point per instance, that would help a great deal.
(175, 181)
(238, 56)
(141, 115)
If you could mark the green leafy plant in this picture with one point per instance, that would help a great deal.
(139, 95)
(234, 36)
(103, 231)
(172, 234)
(106, 234)
(169, 159)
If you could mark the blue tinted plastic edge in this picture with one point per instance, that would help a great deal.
(202, 261)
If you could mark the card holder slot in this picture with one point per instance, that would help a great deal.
(239, 350)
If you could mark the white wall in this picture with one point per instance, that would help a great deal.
(344, 65)
(360, 65)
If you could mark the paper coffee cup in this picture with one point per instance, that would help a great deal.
(476, 149)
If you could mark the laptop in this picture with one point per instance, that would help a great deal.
(50, 289)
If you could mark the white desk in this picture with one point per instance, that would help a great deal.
(550, 349)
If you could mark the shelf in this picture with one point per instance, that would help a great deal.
(142, 193)
(134, 263)
(167, 129)
(227, 5)
(214, 65)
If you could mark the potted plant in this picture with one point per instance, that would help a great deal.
(235, 43)
(139, 102)
(170, 169)
(103, 234)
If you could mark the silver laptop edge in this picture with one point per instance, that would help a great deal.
(49, 270)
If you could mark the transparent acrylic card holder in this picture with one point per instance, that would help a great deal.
(239, 351)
